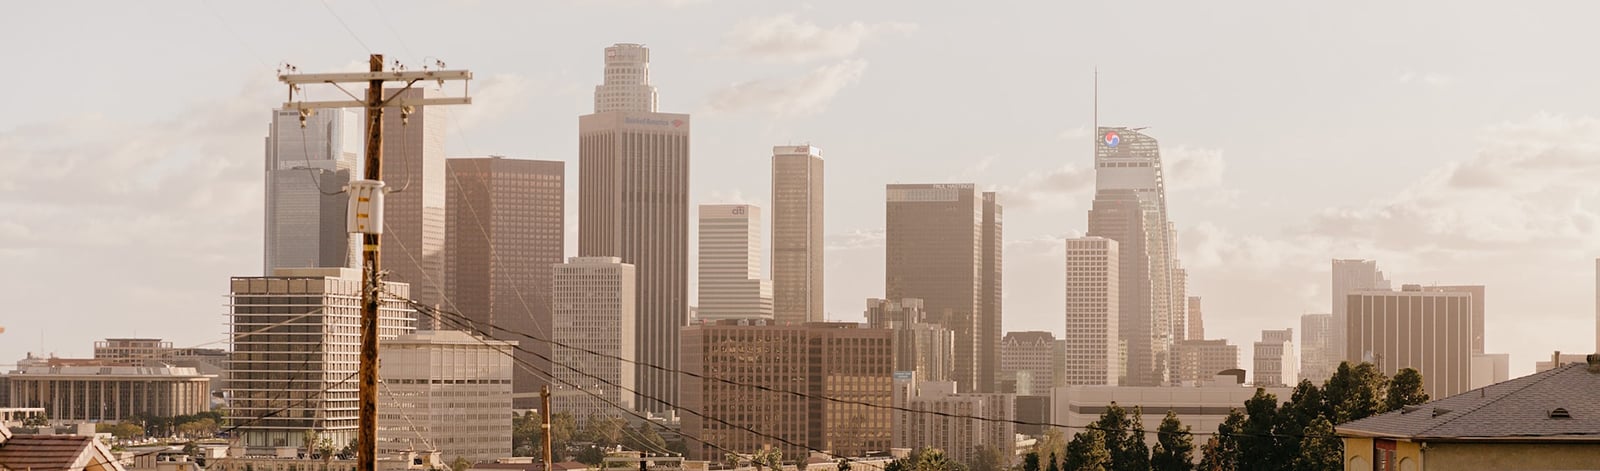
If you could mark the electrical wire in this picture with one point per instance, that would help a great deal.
(346, 26)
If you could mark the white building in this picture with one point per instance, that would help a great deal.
(730, 264)
(1489, 368)
(307, 167)
(1559, 359)
(1093, 353)
(627, 80)
(1274, 359)
(296, 350)
(1202, 408)
(593, 309)
(445, 391)
(1316, 335)
(959, 437)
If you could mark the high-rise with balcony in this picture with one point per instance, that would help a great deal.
(797, 245)
(730, 283)
(633, 203)
(296, 349)
(307, 168)
(506, 228)
(1130, 207)
(593, 304)
(1092, 357)
(937, 251)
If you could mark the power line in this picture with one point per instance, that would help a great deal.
(346, 26)
(827, 398)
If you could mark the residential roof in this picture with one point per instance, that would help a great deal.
(1529, 408)
(56, 453)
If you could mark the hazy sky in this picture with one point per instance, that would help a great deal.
(1457, 142)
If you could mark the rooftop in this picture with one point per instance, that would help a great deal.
(1555, 405)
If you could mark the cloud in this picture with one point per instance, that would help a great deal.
(1529, 187)
(1061, 186)
(804, 95)
(1074, 134)
(784, 38)
(1431, 79)
(1188, 168)
(857, 239)
(731, 197)
(492, 98)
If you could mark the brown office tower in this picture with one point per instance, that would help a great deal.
(797, 245)
(837, 360)
(506, 228)
(941, 251)
(1426, 329)
(1130, 207)
(633, 203)
(414, 208)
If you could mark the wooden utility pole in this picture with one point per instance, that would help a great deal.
(366, 209)
(544, 411)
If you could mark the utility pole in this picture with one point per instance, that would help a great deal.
(366, 207)
(544, 411)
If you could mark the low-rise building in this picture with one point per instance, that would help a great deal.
(1199, 361)
(1202, 407)
(55, 452)
(109, 393)
(445, 391)
(952, 421)
(1548, 420)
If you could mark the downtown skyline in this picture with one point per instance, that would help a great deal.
(1224, 176)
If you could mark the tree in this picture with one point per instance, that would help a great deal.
(127, 431)
(1405, 389)
(1320, 450)
(1303, 406)
(934, 459)
(1221, 452)
(563, 427)
(1257, 444)
(987, 458)
(1113, 426)
(1052, 444)
(1135, 456)
(1174, 450)
(770, 458)
(40, 420)
(603, 430)
(644, 438)
(900, 464)
(1354, 393)
(844, 464)
(1054, 466)
(527, 434)
(1030, 461)
(1087, 452)
(591, 455)
(460, 464)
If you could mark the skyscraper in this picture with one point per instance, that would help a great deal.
(506, 228)
(730, 264)
(920, 347)
(1349, 276)
(936, 252)
(1274, 359)
(1092, 356)
(797, 245)
(414, 207)
(633, 203)
(1197, 324)
(1130, 207)
(438, 387)
(1478, 302)
(306, 170)
(593, 304)
(991, 294)
(1028, 363)
(1200, 360)
(1316, 331)
(1430, 331)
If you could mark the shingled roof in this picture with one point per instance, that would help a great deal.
(1562, 404)
(55, 453)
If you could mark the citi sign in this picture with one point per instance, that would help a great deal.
(653, 122)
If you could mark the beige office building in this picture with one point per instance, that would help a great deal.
(920, 346)
(506, 229)
(1199, 361)
(1029, 363)
(447, 391)
(730, 283)
(1093, 356)
(1197, 324)
(594, 311)
(1316, 333)
(414, 207)
(937, 251)
(296, 350)
(1478, 303)
(1428, 330)
(633, 203)
(836, 360)
(948, 420)
(1349, 275)
(108, 393)
(797, 243)
(1275, 362)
